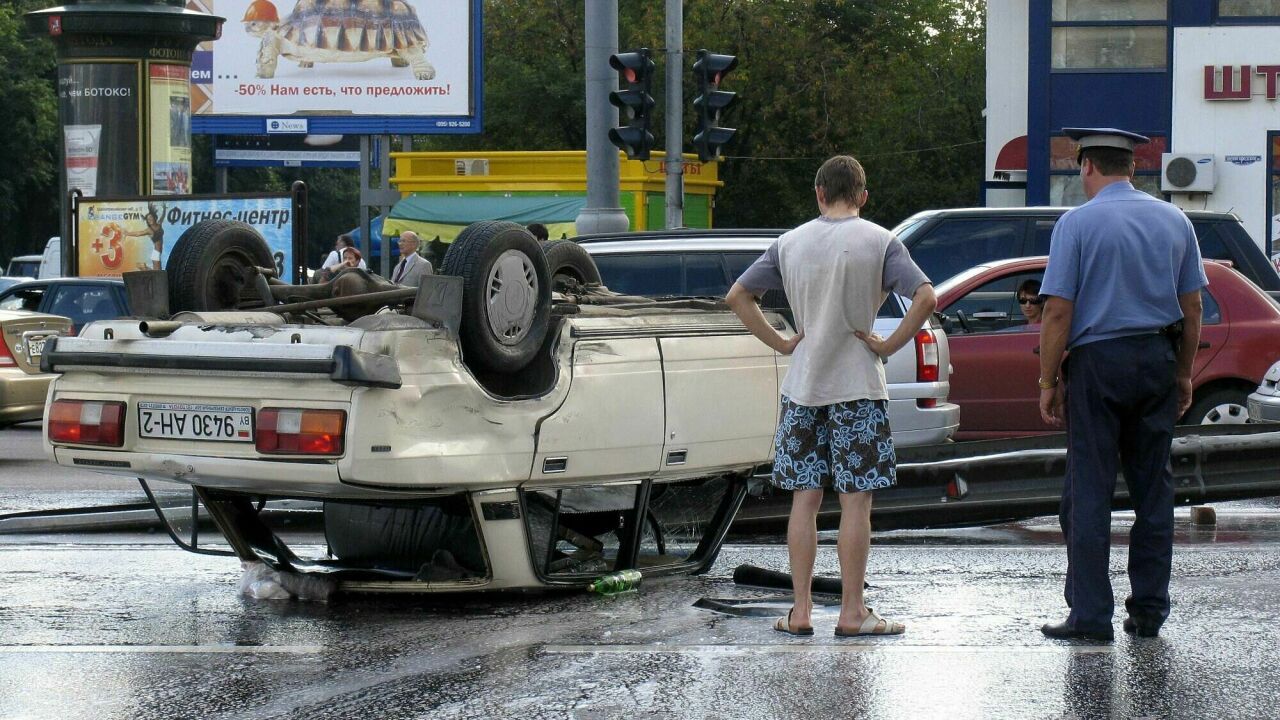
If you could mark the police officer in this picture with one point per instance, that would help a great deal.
(1124, 277)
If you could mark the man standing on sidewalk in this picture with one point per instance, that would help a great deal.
(834, 428)
(1123, 286)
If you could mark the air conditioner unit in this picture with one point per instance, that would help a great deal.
(471, 167)
(1186, 173)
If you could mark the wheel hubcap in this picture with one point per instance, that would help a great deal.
(512, 296)
(1226, 414)
(229, 274)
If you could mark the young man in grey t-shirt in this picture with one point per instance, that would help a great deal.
(834, 427)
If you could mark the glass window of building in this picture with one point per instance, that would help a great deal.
(1248, 8)
(1110, 34)
(1065, 186)
(1274, 247)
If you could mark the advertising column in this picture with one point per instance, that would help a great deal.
(120, 67)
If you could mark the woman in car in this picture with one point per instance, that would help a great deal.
(1030, 301)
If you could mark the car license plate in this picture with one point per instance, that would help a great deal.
(35, 348)
(180, 421)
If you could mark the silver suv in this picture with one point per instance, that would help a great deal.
(704, 263)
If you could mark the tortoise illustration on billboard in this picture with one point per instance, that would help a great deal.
(339, 31)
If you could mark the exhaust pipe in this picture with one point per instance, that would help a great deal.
(158, 328)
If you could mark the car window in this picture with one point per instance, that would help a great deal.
(1210, 313)
(24, 299)
(908, 227)
(83, 304)
(954, 245)
(1212, 246)
(658, 274)
(737, 263)
(704, 275)
(1041, 233)
(649, 274)
(990, 307)
(23, 268)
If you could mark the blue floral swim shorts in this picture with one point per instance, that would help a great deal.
(846, 446)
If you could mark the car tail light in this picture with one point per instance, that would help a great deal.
(298, 431)
(85, 422)
(926, 356)
(6, 357)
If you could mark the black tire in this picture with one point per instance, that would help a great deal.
(508, 342)
(208, 267)
(568, 259)
(1220, 407)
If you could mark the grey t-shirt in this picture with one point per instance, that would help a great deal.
(836, 274)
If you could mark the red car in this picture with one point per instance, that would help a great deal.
(995, 362)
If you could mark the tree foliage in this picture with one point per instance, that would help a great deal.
(28, 144)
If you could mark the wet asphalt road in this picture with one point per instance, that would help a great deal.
(127, 626)
(112, 626)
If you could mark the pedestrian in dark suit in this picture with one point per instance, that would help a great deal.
(1124, 270)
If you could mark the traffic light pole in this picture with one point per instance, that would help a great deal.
(602, 213)
(675, 114)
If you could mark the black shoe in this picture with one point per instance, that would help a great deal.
(1141, 629)
(1063, 631)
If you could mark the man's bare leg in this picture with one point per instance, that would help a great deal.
(852, 547)
(802, 549)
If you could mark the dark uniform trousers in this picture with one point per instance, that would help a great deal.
(1121, 398)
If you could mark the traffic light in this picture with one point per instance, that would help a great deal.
(635, 69)
(709, 70)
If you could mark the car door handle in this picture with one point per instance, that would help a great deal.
(1204, 345)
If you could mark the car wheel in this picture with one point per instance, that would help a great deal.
(506, 295)
(209, 265)
(567, 260)
(1220, 407)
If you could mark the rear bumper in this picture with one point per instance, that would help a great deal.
(913, 425)
(1264, 408)
(22, 396)
(255, 476)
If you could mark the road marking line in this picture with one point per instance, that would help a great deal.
(171, 649)
(814, 647)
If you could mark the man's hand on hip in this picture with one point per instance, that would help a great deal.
(789, 345)
(878, 345)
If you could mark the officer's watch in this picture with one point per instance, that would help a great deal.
(1048, 384)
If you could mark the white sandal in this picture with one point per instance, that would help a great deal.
(874, 625)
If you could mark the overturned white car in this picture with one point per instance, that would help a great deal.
(478, 434)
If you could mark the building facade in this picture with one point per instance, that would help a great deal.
(1201, 78)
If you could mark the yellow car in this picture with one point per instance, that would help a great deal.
(22, 385)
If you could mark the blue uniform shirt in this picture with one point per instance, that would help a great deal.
(1123, 258)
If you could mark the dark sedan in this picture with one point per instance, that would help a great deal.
(81, 299)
